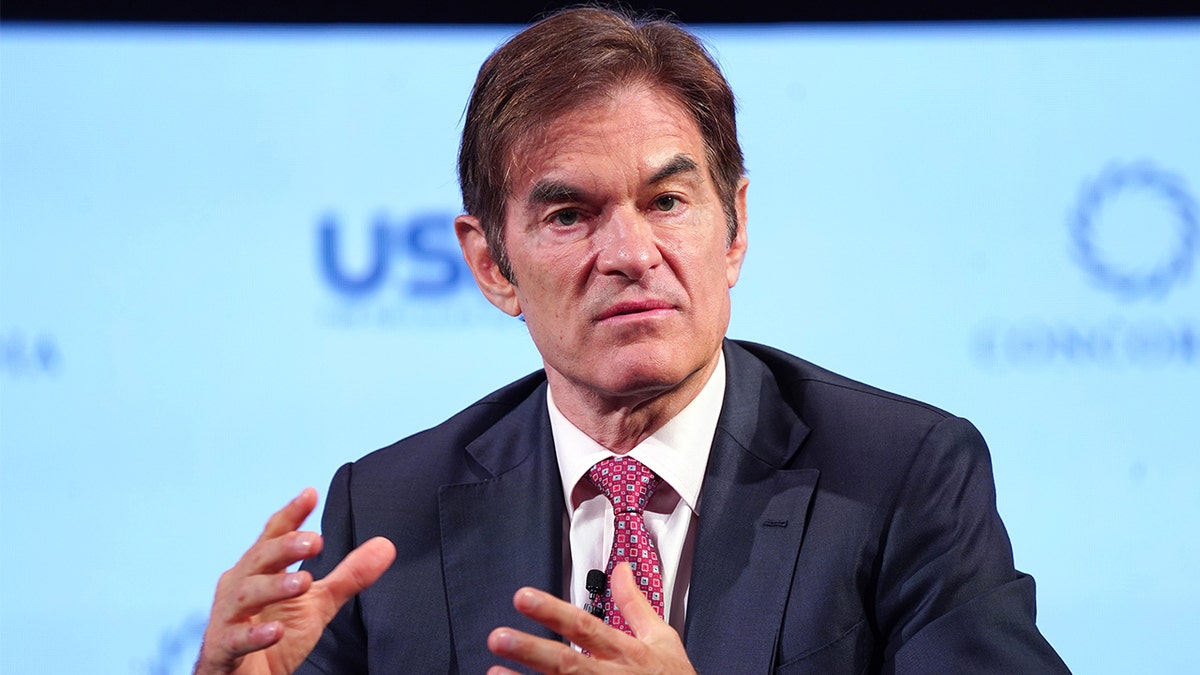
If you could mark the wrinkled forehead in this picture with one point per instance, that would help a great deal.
(602, 125)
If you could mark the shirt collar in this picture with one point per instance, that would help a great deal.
(677, 452)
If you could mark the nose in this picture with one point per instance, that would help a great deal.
(627, 245)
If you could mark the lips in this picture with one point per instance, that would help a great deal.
(633, 307)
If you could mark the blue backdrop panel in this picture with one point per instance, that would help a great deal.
(227, 266)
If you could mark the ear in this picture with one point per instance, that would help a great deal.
(736, 252)
(498, 290)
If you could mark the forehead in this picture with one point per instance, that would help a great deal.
(633, 130)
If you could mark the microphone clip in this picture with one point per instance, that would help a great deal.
(596, 583)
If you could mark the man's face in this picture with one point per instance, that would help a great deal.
(619, 249)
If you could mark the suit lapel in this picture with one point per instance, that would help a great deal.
(502, 533)
(752, 518)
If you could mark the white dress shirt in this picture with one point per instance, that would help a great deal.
(678, 453)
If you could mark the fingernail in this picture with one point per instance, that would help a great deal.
(504, 640)
(304, 542)
(266, 631)
(291, 582)
(528, 599)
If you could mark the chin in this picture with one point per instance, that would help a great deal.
(646, 375)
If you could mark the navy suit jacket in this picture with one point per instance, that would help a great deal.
(842, 529)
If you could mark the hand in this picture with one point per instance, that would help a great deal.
(654, 648)
(265, 620)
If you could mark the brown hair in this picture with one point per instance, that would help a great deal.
(570, 59)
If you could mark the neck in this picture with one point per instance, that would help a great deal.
(619, 421)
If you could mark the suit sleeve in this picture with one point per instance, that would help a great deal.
(949, 598)
(342, 648)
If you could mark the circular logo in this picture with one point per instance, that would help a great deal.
(1134, 230)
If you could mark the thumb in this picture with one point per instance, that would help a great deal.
(638, 613)
(361, 568)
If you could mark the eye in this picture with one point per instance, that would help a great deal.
(666, 203)
(565, 218)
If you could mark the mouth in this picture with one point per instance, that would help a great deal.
(635, 308)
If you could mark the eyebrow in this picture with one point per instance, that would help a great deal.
(551, 192)
(554, 192)
(680, 163)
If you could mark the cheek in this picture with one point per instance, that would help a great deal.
(713, 265)
(548, 294)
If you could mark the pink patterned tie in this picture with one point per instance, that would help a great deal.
(628, 484)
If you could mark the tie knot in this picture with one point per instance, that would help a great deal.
(626, 482)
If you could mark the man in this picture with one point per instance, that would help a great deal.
(786, 519)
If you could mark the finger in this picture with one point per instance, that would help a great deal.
(274, 555)
(540, 654)
(558, 615)
(224, 650)
(249, 595)
(241, 590)
(638, 613)
(291, 516)
(571, 622)
(358, 570)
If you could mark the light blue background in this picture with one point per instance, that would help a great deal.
(174, 366)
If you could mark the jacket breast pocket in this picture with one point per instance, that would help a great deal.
(849, 653)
